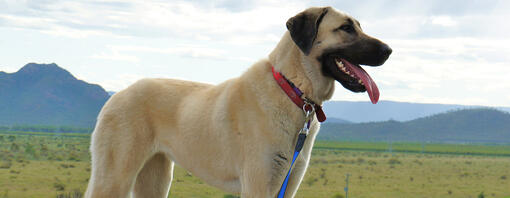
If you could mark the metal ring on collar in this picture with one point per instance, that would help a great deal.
(308, 104)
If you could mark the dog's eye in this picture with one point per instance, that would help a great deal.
(347, 28)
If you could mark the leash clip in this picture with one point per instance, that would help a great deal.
(308, 109)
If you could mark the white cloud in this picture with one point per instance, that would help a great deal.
(454, 70)
(446, 21)
(120, 52)
(443, 52)
(120, 81)
(116, 56)
(151, 19)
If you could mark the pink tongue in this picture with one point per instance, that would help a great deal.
(372, 90)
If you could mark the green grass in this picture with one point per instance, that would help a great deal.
(50, 164)
(58, 134)
(430, 148)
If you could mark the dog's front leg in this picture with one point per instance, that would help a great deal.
(298, 171)
(301, 164)
(255, 180)
(263, 173)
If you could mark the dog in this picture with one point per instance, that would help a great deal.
(239, 135)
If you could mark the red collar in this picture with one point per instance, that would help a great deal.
(295, 95)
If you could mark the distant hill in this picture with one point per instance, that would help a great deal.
(468, 125)
(337, 120)
(47, 94)
(387, 110)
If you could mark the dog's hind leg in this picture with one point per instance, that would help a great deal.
(113, 173)
(155, 178)
(118, 154)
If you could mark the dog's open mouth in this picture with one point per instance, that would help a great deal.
(351, 76)
(360, 76)
(343, 64)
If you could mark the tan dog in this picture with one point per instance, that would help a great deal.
(239, 135)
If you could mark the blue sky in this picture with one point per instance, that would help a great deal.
(454, 52)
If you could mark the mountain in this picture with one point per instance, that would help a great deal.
(337, 120)
(469, 125)
(387, 110)
(47, 94)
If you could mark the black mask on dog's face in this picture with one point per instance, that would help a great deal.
(340, 60)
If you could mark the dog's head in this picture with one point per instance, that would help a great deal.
(336, 42)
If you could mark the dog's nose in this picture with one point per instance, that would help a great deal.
(385, 50)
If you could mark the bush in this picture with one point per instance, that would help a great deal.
(6, 193)
(6, 165)
(338, 195)
(73, 156)
(394, 161)
(15, 172)
(372, 162)
(29, 149)
(59, 186)
(74, 194)
(418, 162)
(310, 181)
(11, 138)
(14, 147)
(323, 173)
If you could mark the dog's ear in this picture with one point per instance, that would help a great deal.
(304, 26)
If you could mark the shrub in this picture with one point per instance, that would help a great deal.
(6, 193)
(29, 149)
(394, 161)
(372, 162)
(338, 195)
(74, 194)
(323, 173)
(14, 147)
(59, 186)
(15, 172)
(5, 165)
(44, 150)
(310, 181)
(465, 174)
(73, 157)
(418, 162)
(11, 138)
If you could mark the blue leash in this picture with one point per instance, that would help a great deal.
(299, 145)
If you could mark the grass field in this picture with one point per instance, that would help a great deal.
(53, 165)
(409, 147)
